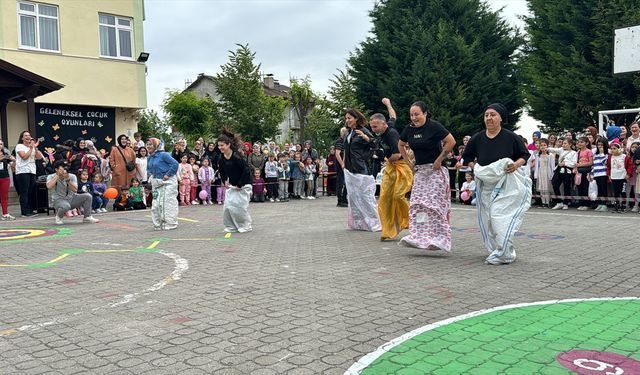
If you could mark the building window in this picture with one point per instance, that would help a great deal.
(39, 26)
(116, 36)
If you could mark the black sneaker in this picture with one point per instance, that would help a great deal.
(28, 215)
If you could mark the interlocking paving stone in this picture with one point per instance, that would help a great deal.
(302, 295)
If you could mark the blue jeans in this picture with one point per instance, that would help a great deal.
(99, 202)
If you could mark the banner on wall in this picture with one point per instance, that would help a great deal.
(56, 123)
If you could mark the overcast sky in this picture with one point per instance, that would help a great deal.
(291, 38)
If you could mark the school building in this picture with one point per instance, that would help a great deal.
(71, 69)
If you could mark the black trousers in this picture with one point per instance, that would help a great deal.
(341, 189)
(272, 187)
(564, 179)
(26, 184)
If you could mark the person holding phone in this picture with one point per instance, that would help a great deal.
(26, 154)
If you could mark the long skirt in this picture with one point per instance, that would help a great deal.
(164, 207)
(430, 209)
(393, 206)
(502, 199)
(363, 209)
(235, 213)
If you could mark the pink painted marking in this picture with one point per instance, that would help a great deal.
(588, 362)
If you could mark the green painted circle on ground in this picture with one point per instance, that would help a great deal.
(511, 339)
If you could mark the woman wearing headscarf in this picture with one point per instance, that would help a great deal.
(430, 203)
(123, 163)
(361, 186)
(235, 174)
(162, 169)
(503, 189)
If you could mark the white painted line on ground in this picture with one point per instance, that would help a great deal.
(181, 266)
(368, 359)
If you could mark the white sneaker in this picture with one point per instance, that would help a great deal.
(103, 210)
(271, 200)
(565, 207)
(59, 220)
(7, 217)
(583, 208)
(312, 197)
(94, 211)
(90, 219)
(194, 202)
(635, 208)
(558, 206)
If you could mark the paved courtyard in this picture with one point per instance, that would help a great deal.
(302, 295)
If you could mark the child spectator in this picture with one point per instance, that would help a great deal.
(271, 175)
(220, 189)
(194, 181)
(468, 186)
(619, 170)
(141, 165)
(105, 168)
(563, 173)
(205, 175)
(632, 183)
(545, 163)
(98, 188)
(450, 162)
(136, 194)
(123, 201)
(583, 167)
(84, 186)
(309, 175)
(259, 188)
(283, 178)
(599, 172)
(296, 168)
(185, 176)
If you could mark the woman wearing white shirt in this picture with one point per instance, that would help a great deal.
(26, 154)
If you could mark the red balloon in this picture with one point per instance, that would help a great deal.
(111, 193)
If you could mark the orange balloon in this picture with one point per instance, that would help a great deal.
(111, 193)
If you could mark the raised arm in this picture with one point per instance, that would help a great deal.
(390, 110)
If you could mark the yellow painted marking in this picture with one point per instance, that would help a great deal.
(32, 233)
(189, 220)
(192, 239)
(169, 280)
(7, 332)
(13, 265)
(153, 245)
(59, 258)
(183, 219)
(228, 235)
(109, 251)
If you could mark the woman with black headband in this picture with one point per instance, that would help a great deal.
(503, 190)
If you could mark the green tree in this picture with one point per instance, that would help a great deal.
(190, 115)
(568, 71)
(457, 55)
(302, 99)
(243, 104)
(151, 125)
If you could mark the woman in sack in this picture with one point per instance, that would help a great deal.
(503, 194)
(430, 203)
(162, 169)
(361, 186)
(123, 163)
(235, 174)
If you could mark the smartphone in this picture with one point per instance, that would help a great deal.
(41, 139)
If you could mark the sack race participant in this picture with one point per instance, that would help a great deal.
(397, 177)
(361, 186)
(162, 169)
(235, 174)
(430, 204)
(503, 191)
